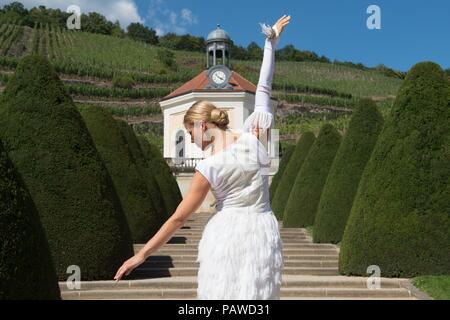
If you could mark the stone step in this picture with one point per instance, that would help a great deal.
(190, 282)
(291, 263)
(318, 293)
(199, 232)
(286, 246)
(282, 231)
(331, 298)
(200, 227)
(196, 240)
(193, 257)
(143, 271)
(346, 292)
(297, 251)
(197, 237)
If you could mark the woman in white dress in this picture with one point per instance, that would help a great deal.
(240, 253)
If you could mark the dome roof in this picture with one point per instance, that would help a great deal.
(218, 34)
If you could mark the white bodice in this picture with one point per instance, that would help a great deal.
(238, 175)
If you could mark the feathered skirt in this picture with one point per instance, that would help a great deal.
(240, 256)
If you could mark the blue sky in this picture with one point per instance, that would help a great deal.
(411, 31)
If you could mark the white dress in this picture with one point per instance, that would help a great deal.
(240, 253)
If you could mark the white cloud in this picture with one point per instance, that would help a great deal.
(164, 20)
(123, 10)
(187, 17)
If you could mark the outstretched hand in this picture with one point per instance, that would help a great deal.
(282, 22)
(129, 266)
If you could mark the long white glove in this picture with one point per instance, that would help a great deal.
(262, 116)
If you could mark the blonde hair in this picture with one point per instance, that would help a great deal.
(204, 110)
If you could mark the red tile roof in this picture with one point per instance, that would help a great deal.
(199, 82)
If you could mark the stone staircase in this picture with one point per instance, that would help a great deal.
(310, 272)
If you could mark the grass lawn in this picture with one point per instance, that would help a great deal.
(437, 287)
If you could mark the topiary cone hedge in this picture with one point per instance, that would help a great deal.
(400, 219)
(343, 179)
(130, 184)
(26, 267)
(163, 175)
(290, 174)
(287, 153)
(147, 173)
(301, 206)
(50, 146)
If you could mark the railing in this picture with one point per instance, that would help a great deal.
(178, 165)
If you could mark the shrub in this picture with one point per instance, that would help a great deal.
(52, 149)
(342, 182)
(26, 266)
(146, 171)
(290, 174)
(287, 153)
(125, 173)
(301, 206)
(163, 175)
(167, 58)
(123, 81)
(400, 219)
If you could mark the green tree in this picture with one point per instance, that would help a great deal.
(26, 266)
(50, 146)
(137, 31)
(96, 23)
(116, 153)
(16, 7)
(287, 153)
(163, 175)
(345, 173)
(290, 174)
(255, 52)
(400, 219)
(301, 206)
(147, 172)
(117, 30)
(184, 42)
(13, 12)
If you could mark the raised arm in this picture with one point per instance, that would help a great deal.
(262, 117)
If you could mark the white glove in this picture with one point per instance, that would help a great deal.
(268, 31)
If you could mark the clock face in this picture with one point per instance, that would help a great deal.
(219, 77)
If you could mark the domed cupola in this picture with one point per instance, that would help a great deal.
(218, 46)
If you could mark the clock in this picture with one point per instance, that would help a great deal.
(218, 76)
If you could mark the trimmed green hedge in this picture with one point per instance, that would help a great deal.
(287, 153)
(301, 206)
(129, 183)
(146, 172)
(163, 175)
(26, 266)
(343, 179)
(400, 219)
(290, 174)
(50, 146)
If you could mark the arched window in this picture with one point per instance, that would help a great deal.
(180, 145)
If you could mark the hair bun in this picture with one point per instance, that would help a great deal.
(219, 117)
